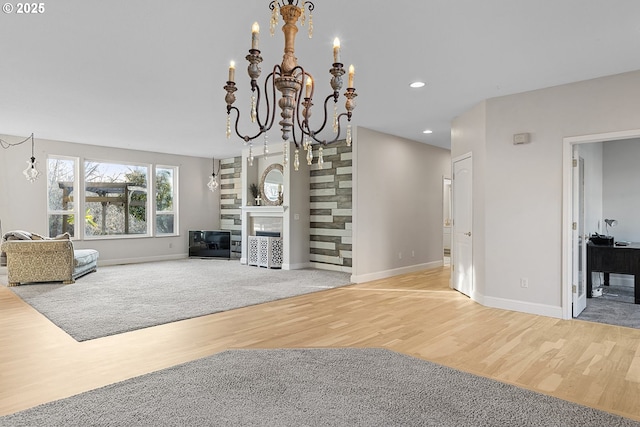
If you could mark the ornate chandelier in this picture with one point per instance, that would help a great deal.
(289, 79)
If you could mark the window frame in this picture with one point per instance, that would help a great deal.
(148, 207)
(174, 194)
(79, 198)
(77, 203)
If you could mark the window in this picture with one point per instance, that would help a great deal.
(166, 178)
(118, 198)
(116, 201)
(62, 191)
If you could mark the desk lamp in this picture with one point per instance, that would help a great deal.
(610, 222)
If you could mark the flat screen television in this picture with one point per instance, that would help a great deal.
(210, 244)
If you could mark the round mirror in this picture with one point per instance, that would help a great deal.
(271, 185)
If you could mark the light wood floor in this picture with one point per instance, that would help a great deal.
(417, 314)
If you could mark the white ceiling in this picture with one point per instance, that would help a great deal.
(149, 75)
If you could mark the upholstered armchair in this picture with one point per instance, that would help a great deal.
(31, 261)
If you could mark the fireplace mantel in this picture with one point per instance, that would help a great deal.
(264, 210)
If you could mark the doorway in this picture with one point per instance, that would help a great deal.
(571, 276)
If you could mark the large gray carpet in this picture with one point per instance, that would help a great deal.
(615, 307)
(123, 298)
(312, 387)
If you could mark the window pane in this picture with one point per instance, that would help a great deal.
(165, 200)
(164, 224)
(61, 180)
(164, 189)
(115, 199)
(59, 224)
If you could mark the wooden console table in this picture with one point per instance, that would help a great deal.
(614, 259)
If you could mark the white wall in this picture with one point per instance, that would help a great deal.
(621, 193)
(397, 205)
(295, 218)
(23, 205)
(523, 184)
(469, 131)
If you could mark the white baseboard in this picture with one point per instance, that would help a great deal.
(521, 306)
(103, 263)
(299, 266)
(330, 267)
(368, 277)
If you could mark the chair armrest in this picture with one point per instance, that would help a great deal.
(36, 246)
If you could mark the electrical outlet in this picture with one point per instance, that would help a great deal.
(524, 282)
(399, 255)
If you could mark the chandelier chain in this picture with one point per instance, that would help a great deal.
(7, 144)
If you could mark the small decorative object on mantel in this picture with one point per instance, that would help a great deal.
(255, 192)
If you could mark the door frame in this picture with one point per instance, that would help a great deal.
(567, 206)
(447, 205)
(579, 286)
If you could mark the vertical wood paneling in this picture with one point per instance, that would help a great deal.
(231, 199)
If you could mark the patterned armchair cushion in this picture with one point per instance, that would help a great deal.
(17, 235)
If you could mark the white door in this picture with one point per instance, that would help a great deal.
(578, 281)
(462, 244)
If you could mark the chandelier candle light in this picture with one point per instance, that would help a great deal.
(290, 79)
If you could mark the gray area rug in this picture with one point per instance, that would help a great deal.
(615, 307)
(312, 387)
(123, 298)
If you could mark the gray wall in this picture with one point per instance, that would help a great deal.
(621, 188)
(518, 221)
(23, 205)
(397, 206)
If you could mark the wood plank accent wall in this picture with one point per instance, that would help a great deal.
(331, 208)
(231, 199)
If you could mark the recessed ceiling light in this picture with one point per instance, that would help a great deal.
(427, 131)
(417, 84)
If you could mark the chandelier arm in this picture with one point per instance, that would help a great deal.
(324, 123)
(337, 138)
(281, 3)
(246, 138)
